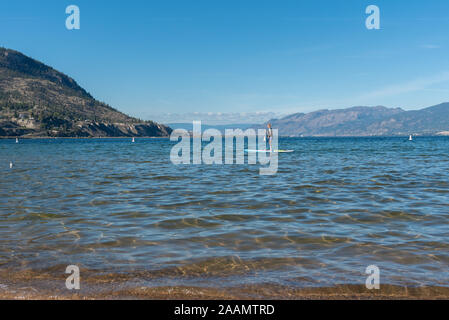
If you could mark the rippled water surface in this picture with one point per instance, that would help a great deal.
(335, 206)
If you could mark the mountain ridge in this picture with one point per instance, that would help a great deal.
(365, 121)
(37, 100)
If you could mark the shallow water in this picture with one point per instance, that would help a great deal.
(335, 206)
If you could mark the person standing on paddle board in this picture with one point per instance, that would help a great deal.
(270, 135)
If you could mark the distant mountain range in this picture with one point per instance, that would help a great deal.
(219, 127)
(365, 121)
(36, 100)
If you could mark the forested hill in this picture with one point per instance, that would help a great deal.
(37, 100)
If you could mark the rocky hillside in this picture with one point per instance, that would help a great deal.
(36, 100)
(365, 121)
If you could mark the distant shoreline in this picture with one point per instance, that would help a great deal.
(167, 137)
(56, 138)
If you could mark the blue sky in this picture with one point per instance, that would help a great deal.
(148, 58)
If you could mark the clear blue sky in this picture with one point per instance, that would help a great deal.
(149, 57)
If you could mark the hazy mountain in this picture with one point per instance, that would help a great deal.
(215, 118)
(36, 100)
(365, 121)
(219, 127)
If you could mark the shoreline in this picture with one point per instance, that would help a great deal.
(254, 292)
(168, 137)
(34, 285)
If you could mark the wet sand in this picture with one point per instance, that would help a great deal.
(247, 293)
(30, 285)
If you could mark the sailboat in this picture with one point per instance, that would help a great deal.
(133, 140)
(410, 138)
(17, 140)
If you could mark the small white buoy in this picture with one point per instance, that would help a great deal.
(10, 165)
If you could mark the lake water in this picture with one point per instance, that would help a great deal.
(122, 210)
